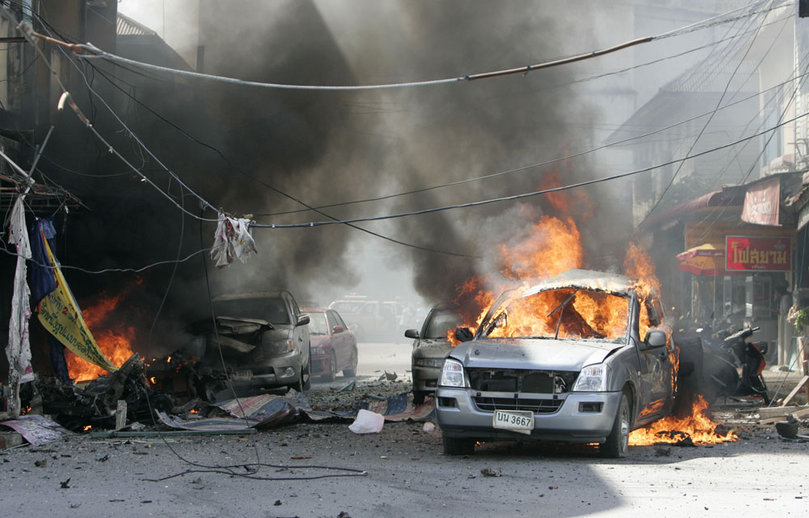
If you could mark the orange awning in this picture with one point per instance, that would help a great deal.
(706, 259)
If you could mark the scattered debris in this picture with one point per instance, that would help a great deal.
(789, 429)
(97, 403)
(388, 376)
(779, 413)
(680, 438)
(36, 429)
(367, 422)
(490, 472)
(662, 451)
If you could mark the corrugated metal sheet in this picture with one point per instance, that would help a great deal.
(129, 27)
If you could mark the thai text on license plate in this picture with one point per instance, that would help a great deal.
(521, 421)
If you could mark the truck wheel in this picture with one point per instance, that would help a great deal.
(617, 444)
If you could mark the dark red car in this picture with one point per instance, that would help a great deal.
(334, 346)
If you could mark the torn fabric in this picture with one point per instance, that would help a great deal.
(18, 350)
(232, 240)
(58, 311)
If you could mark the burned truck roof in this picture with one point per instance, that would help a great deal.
(585, 279)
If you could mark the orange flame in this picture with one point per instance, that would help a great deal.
(699, 427)
(551, 247)
(113, 338)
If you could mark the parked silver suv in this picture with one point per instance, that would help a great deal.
(430, 346)
(573, 358)
(261, 341)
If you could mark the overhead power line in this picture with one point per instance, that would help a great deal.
(742, 12)
(532, 193)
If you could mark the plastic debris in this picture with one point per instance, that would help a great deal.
(367, 422)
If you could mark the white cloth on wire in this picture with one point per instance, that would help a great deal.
(18, 350)
(232, 240)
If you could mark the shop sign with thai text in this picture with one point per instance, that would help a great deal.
(762, 203)
(755, 253)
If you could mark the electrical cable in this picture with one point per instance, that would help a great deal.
(712, 219)
(707, 123)
(229, 470)
(97, 53)
(112, 150)
(311, 224)
(527, 166)
(92, 128)
(532, 193)
(152, 411)
(474, 76)
(282, 193)
(141, 269)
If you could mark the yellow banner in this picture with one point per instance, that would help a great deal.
(61, 316)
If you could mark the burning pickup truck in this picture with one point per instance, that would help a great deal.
(580, 357)
(260, 341)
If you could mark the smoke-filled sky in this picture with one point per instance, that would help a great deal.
(323, 148)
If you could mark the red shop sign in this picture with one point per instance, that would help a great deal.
(746, 253)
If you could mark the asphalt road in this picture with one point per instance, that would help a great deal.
(376, 358)
(398, 472)
(314, 470)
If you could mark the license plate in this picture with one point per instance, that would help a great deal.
(521, 421)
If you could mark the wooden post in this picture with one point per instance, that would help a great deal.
(120, 414)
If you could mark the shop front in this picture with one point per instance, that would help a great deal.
(739, 276)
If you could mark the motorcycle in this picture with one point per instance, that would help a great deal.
(732, 365)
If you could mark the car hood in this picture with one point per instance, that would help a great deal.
(535, 354)
(431, 349)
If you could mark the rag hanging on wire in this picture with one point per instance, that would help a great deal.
(18, 350)
(232, 240)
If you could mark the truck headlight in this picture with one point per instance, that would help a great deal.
(452, 374)
(592, 378)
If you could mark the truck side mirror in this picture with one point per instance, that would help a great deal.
(654, 339)
(412, 333)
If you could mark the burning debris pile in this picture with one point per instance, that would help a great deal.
(97, 403)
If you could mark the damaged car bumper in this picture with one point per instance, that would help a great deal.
(571, 417)
(425, 373)
(280, 370)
